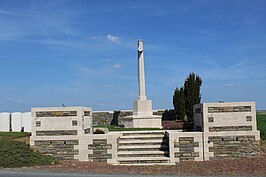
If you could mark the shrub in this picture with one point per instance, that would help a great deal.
(98, 131)
(261, 124)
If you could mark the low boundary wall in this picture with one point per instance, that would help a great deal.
(183, 146)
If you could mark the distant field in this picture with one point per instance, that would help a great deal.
(261, 123)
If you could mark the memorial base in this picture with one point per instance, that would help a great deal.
(135, 121)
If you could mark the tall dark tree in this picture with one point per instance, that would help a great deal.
(192, 93)
(179, 103)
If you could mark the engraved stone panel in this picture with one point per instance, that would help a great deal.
(229, 109)
(56, 113)
(230, 128)
(56, 132)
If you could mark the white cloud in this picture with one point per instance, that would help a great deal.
(112, 38)
(118, 66)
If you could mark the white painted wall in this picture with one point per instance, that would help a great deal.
(4, 122)
(26, 121)
(16, 122)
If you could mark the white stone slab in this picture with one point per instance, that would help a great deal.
(26, 121)
(16, 122)
(4, 122)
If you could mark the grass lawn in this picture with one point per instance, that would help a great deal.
(16, 134)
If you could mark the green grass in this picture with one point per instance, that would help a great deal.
(17, 154)
(261, 124)
(16, 134)
(118, 128)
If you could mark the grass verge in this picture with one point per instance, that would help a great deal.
(16, 134)
(17, 154)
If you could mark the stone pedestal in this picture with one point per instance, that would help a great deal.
(143, 116)
(143, 122)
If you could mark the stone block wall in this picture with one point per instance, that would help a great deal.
(229, 116)
(185, 146)
(231, 144)
(230, 128)
(186, 149)
(60, 149)
(100, 148)
(60, 121)
(115, 117)
(225, 147)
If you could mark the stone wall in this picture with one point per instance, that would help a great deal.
(230, 128)
(185, 146)
(223, 117)
(115, 117)
(60, 149)
(225, 147)
(99, 148)
(22, 121)
(186, 151)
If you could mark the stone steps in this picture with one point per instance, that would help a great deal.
(143, 153)
(151, 136)
(143, 160)
(142, 141)
(136, 133)
(143, 148)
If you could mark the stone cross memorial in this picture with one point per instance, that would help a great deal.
(142, 115)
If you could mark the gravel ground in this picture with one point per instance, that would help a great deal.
(239, 167)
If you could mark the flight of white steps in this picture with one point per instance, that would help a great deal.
(143, 148)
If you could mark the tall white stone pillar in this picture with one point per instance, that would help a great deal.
(141, 74)
(142, 114)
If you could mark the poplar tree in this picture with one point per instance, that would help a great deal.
(179, 103)
(187, 96)
(192, 93)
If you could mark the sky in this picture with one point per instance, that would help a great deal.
(84, 52)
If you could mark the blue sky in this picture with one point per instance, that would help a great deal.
(84, 52)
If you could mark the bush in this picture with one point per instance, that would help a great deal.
(261, 124)
(98, 131)
(169, 114)
(17, 154)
